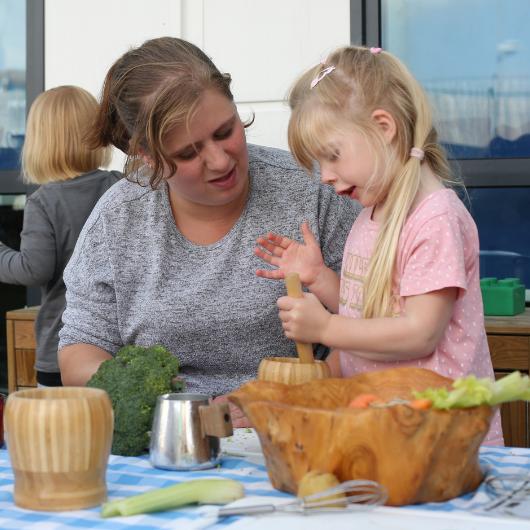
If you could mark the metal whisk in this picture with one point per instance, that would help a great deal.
(359, 495)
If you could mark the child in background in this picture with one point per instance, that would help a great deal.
(409, 291)
(55, 155)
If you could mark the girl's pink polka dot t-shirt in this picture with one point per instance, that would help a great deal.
(438, 248)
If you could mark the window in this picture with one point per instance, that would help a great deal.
(473, 56)
(473, 59)
(12, 81)
(21, 79)
(474, 67)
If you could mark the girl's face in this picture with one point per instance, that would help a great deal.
(348, 165)
(211, 155)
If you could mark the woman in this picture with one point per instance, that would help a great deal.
(167, 257)
(56, 157)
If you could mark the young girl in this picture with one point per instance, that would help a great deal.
(409, 291)
(56, 156)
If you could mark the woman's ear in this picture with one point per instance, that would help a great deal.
(386, 122)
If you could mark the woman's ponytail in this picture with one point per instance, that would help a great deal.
(109, 128)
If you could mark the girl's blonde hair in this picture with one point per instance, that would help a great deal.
(55, 147)
(344, 99)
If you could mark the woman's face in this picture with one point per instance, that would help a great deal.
(211, 154)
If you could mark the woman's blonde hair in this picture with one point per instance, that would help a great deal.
(55, 147)
(344, 99)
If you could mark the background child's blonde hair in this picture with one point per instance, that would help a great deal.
(344, 100)
(55, 147)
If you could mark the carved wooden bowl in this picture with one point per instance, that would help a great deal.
(419, 455)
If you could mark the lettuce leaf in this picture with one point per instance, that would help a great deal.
(471, 392)
(512, 387)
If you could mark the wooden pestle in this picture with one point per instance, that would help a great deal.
(294, 289)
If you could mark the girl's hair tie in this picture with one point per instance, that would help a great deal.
(418, 153)
(321, 75)
(376, 51)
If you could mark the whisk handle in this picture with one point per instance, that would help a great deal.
(246, 510)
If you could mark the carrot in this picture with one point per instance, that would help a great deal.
(362, 401)
(420, 404)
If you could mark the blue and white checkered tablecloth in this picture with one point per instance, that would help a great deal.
(131, 475)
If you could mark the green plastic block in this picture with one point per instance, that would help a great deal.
(504, 297)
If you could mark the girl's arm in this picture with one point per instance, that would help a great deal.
(35, 263)
(333, 362)
(413, 335)
(306, 259)
(326, 288)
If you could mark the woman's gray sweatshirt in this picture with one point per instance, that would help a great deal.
(134, 279)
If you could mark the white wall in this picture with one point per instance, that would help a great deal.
(83, 39)
(263, 44)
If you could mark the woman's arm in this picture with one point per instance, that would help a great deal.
(238, 417)
(413, 335)
(79, 362)
(90, 332)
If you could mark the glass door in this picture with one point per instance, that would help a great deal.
(21, 80)
(12, 82)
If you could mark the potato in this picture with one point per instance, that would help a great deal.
(316, 482)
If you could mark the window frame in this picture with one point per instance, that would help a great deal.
(365, 29)
(10, 179)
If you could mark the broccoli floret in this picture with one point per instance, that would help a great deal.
(134, 379)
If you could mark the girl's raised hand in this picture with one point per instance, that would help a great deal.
(288, 255)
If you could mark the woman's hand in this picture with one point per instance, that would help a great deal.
(290, 256)
(238, 417)
(303, 319)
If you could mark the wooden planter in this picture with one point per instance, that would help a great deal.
(420, 456)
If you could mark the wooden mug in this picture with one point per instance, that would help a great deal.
(59, 442)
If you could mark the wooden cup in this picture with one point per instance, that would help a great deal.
(292, 370)
(59, 442)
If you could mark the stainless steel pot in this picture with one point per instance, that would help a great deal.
(186, 431)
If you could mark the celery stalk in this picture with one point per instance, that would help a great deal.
(201, 491)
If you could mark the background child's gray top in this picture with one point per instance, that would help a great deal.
(134, 279)
(53, 218)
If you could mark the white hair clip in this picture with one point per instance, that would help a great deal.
(321, 75)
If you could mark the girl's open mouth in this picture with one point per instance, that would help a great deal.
(349, 192)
